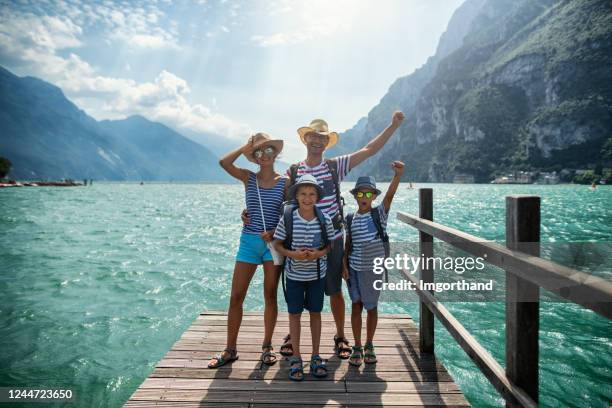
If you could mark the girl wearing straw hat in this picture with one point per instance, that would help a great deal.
(265, 192)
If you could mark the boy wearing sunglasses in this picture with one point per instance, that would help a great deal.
(366, 239)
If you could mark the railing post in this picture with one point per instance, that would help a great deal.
(426, 317)
(522, 297)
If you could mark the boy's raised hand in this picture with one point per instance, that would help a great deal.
(398, 167)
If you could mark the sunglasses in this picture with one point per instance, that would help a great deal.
(366, 194)
(268, 151)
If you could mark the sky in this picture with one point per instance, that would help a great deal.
(224, 67)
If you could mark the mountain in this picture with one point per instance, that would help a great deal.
(513, 85)
(46, 136)
(162, 153)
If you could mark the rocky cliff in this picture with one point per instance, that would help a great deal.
(514, 84)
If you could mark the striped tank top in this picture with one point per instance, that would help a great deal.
(271, 200)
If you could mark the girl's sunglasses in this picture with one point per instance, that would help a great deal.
(268, 151)
(367, 194)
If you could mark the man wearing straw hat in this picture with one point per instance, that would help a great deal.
(329, 173)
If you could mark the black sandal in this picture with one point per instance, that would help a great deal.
(287, 349)
(342, 351)
(268, 357)
(221, 361)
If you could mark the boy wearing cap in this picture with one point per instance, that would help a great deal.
(366, 240)
(305, 239)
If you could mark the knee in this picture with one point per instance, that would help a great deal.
(270, 296)
(357, 307)
(236, 299)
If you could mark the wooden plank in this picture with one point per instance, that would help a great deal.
(267, 374)
(426, 321)
(522, 306)
(403, 376)
(386, 358)
(589, 291)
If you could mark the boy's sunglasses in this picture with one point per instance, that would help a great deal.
(268, 151)
(367, 194)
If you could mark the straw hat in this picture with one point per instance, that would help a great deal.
(261, 140)
(318, 126)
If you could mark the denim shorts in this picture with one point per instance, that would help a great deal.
(305, 295)
(253, 249)
(361, 288)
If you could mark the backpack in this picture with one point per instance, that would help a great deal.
(288, 221)
(333, 168)
(380, 232)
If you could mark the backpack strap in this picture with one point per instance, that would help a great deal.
(375, 214)
(322, 223)
(288, 221)
(333, 168)
(349, 225)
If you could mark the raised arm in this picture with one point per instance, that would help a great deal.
(227, 162)
(378, 142)
(398, 168)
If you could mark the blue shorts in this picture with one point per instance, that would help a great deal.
(361, 288)
(253, 249)
(305, 295)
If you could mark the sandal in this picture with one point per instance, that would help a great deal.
(316, 364)
(268, 357)
(286, 349)
(341, 351)
(221, 361)
(298, 369)
(356, 357)
(370, 355)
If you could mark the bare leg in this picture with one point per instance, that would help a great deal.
(271, 275)
(315, 331)
(356, 322)
(243, 273)
(372, 322)
(336, 302)
(294, 331)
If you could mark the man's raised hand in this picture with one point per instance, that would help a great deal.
(397, 118)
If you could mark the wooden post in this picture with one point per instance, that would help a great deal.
(522, 297)
(426, 317)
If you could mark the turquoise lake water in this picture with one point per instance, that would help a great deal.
(98, 282)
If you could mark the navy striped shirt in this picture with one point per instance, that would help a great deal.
(367, 245)
(329, 203)
(306, 234)
(271, 200)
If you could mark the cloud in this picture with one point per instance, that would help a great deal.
(37, 46)
(298, 22)
(165, 100)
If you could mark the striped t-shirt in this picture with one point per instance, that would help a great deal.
(271, 200)
(367, 245)
(306, 234)
(328, 204)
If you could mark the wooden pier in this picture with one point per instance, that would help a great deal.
(403, 377)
